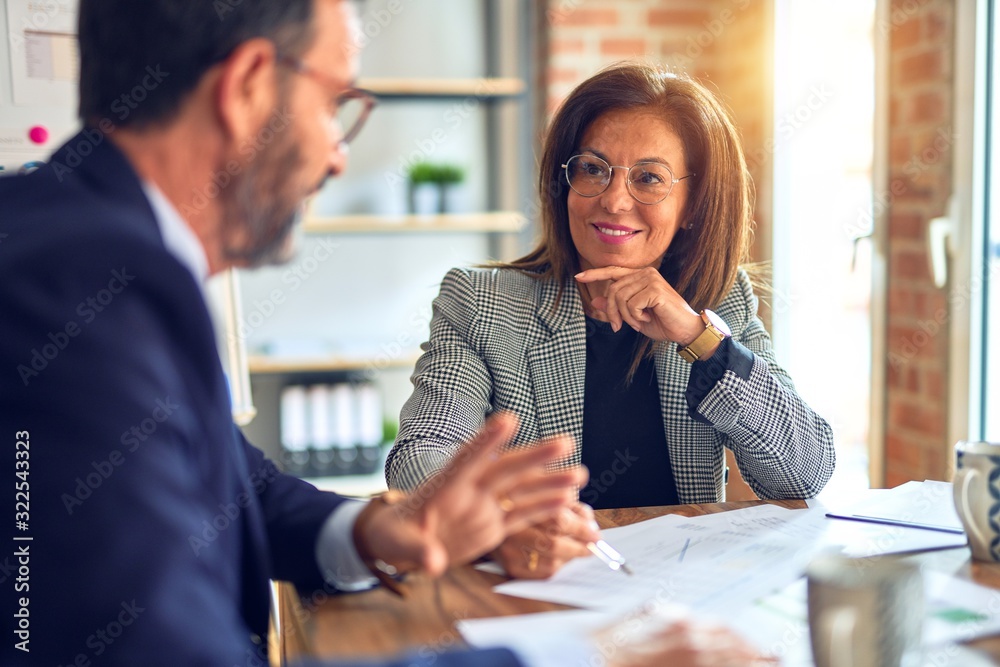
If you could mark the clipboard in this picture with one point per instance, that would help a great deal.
(928, 505)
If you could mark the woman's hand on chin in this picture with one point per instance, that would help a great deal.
(645, 301)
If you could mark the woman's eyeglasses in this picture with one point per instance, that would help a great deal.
(647, 182)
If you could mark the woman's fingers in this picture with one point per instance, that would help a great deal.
(541, 550)
(631, 295)
(644, 300)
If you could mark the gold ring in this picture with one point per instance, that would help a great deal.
(532, 561)
(506, 504)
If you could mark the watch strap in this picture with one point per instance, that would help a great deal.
(706, 340)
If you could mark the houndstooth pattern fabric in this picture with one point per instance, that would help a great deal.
(498, 343)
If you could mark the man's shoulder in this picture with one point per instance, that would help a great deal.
(45, 222)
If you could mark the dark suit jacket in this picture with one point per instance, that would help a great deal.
(154, 525)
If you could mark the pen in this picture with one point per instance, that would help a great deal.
(609, 555)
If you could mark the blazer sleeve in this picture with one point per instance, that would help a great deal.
(452, 389)
(294, 512)
(782, 447)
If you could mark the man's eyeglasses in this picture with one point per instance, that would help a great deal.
(351, 106)
(647, 182)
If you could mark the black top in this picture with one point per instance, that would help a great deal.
(624, 446)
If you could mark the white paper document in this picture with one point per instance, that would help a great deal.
(928, 505)
(705, 563)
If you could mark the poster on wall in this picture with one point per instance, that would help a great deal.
(44, 60)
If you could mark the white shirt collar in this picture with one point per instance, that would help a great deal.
(179, 239)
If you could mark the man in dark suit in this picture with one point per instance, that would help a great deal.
(145, 528)
(153, 525)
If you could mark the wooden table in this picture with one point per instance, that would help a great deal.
(378, 623)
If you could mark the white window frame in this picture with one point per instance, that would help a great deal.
(969, 190)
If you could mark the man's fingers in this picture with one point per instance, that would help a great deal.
(536, 506)
(479, 453)
(501, 475)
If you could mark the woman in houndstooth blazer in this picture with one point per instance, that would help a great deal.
(631, 327)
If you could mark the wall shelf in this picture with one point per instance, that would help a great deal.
(485, 87)
(267, 365)
(496, 221)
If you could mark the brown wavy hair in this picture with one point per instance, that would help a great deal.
(714, 239)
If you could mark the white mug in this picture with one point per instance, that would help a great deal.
(977, 496)
(864, 612)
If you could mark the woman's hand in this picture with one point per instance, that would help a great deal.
(540, 551)
(645, 301)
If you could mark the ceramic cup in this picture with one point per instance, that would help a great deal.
(864, 612)
(977, 496)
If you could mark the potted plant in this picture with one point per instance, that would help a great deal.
(422, 191)
(431, 187)
(448, 178)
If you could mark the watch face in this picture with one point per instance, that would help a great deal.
(717, 322)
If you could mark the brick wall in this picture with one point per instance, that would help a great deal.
(920, 138)
(586, 35)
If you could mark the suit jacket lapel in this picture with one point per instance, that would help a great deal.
(557, 363)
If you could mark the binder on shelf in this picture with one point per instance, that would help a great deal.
(369, 428)
(295, 429)
(321, 431)
(329, 430)
(343, 413)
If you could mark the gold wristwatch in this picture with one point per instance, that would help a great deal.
(715, 332)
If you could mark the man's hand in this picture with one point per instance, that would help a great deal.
(539, 551)
(474, 503)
